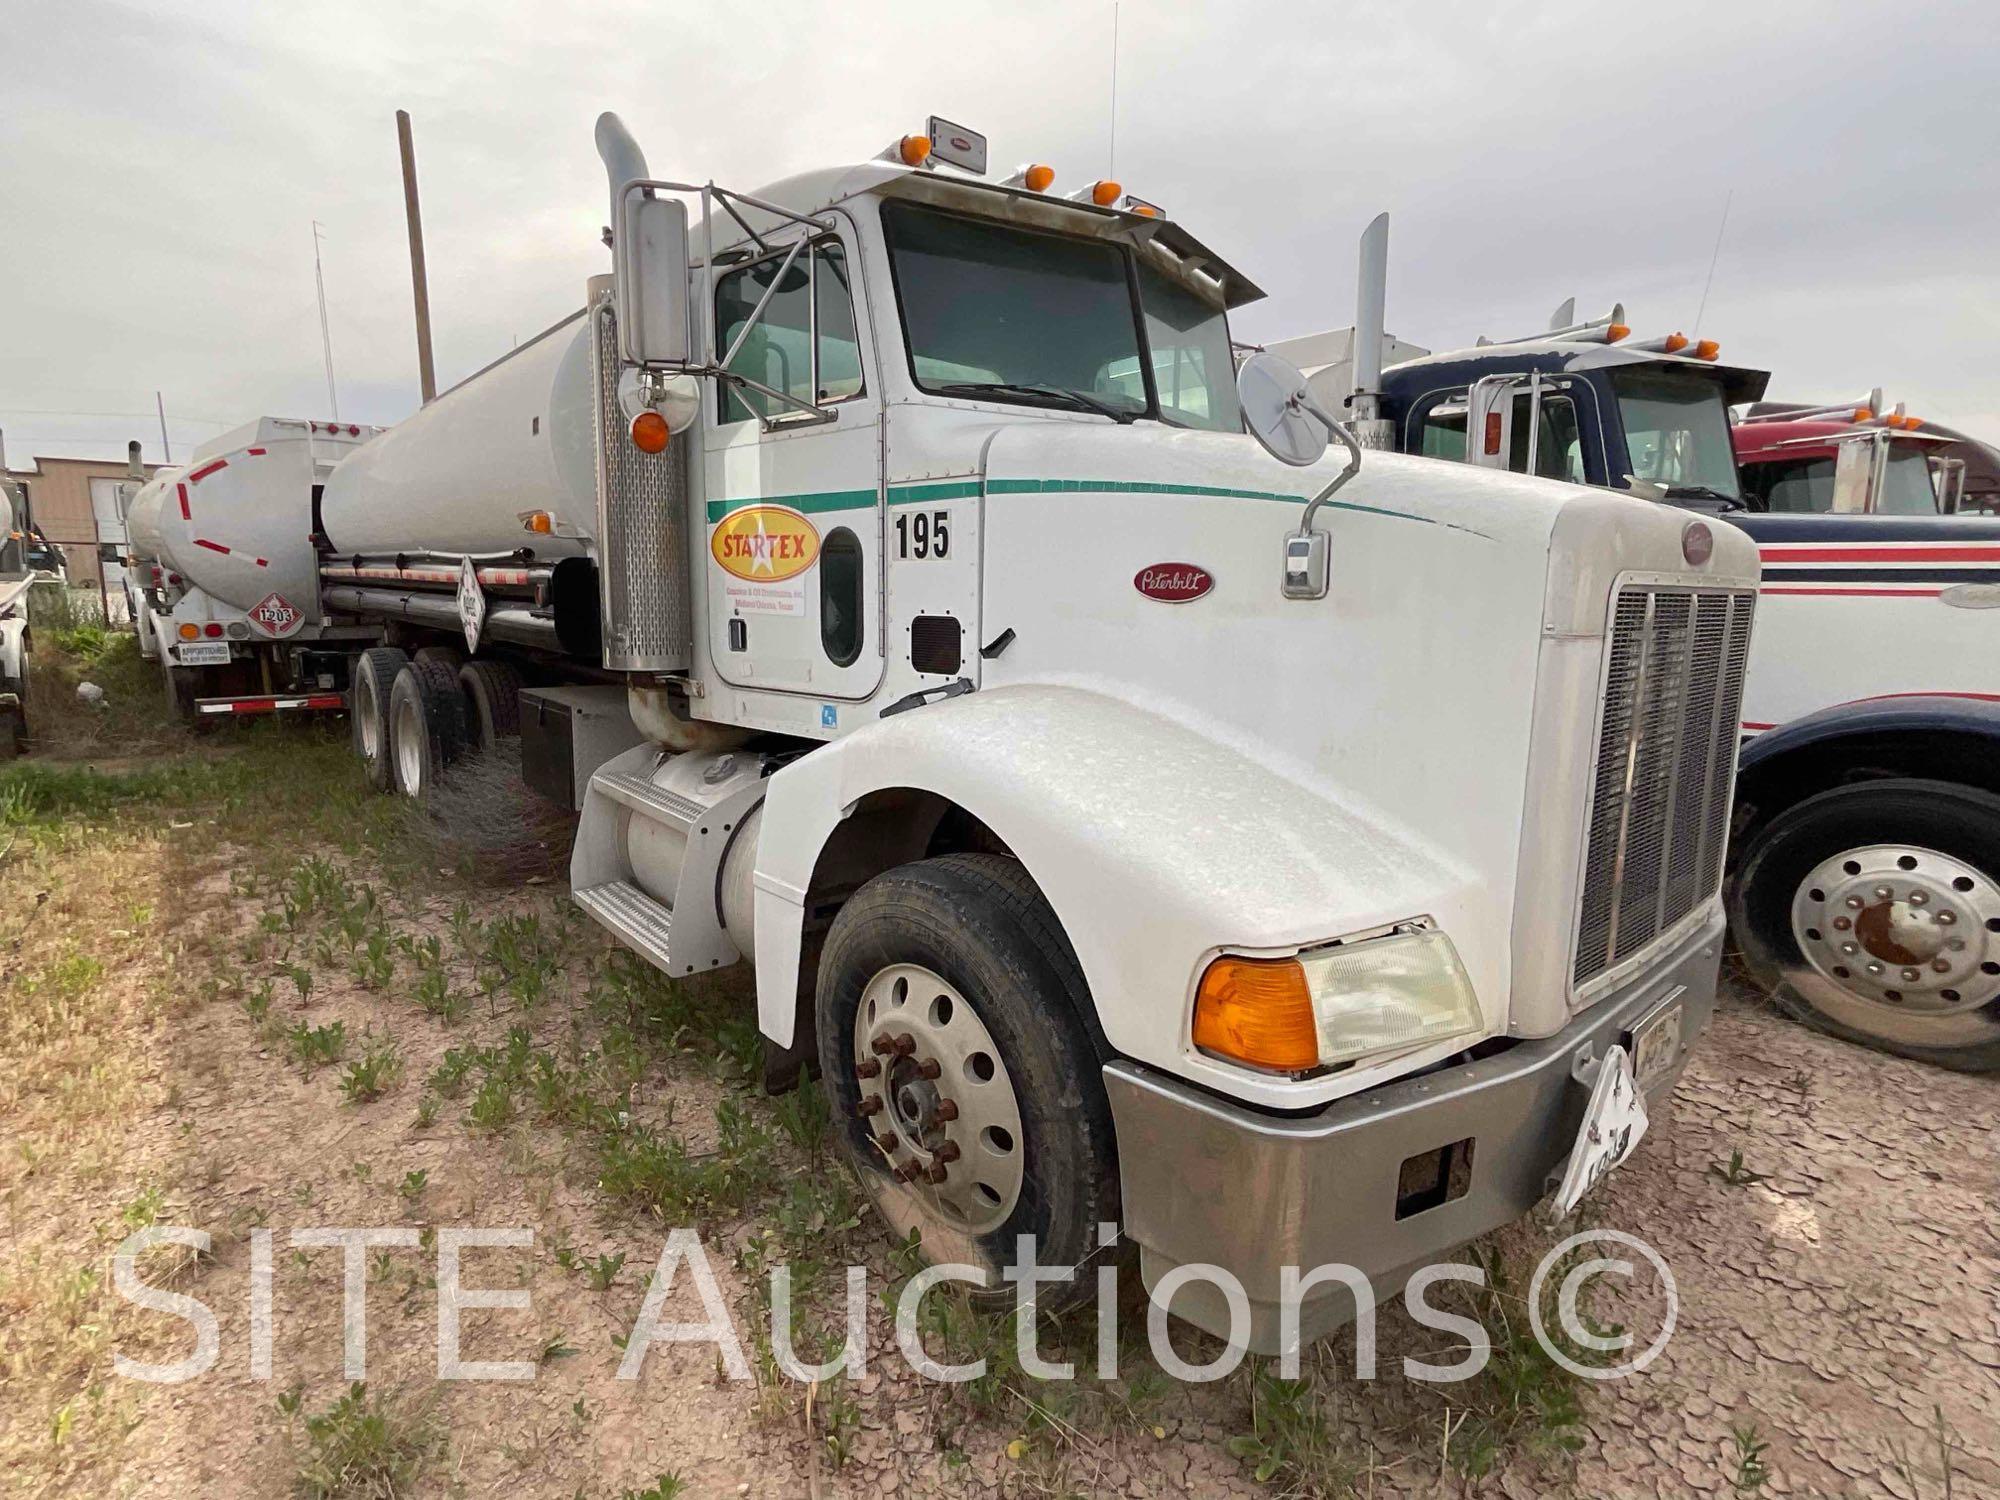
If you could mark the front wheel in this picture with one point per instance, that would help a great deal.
(951, 1041)
(1872, 912)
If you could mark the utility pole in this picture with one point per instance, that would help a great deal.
(325, 337)
(426, 372)
(166, 448)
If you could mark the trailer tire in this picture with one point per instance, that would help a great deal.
(1034, 1149)
(369, 685)
(426, 725)
(1809, 887)
(492, 702)
(450, 656)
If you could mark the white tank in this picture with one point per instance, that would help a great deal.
(236, 521)
(457, 476)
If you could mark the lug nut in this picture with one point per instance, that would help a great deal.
(947, 1152)
(1841, 924)
(868, 1068)
(886, 1144)
(928, 1068)
(1850, 948)
(1947, 918)
(1854, 903)
(1874, 968)
(1911, 976)
(881, 1046)
(907, 1172)
(936, 1174)
(947, 1109)
(1883, 893)
(872, 1105)
(903, 1045)
(1943, 966)
(1919, 898)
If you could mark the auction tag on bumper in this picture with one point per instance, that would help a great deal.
(201, 653)
(1612, 1128)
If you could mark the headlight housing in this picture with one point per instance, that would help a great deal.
(1333, 1005)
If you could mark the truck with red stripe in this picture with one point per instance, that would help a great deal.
(1864, 873)
(226, 555)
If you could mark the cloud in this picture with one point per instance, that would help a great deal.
(163, 166)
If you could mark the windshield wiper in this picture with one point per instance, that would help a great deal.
(1706, 492)
(1082, 400)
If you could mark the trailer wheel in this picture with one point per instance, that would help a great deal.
(426, 725)
(14, 726)
(1872, 912)
(953, 1052)
(369, 685)
(492, 702)
(449, 656)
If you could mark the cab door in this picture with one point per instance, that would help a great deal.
(795, 496)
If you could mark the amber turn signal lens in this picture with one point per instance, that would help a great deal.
(650, 432)
(915, 150)
(1257, 1011)
(540, 521)
(1038, 177)
(1863, 414)
(190, 632)
(1104, 194)
(1145, 211)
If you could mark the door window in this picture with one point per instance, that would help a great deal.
(1444, 433)
(778, 351)
(1558, 448)
(1798, 486)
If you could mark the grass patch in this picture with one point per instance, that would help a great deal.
(362, 1447)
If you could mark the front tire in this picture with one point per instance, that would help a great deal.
(1872, 912)
(955, 1057)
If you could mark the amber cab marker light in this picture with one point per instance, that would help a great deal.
(1863, 414)
(915, 150)
(1707, 349)
(540, 521)
(650, 432)
(1615, 332)
(1675, 343)
(1038, 177)
(189, 632)
(1104, 194)
(1258, 1012)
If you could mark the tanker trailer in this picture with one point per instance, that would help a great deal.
(1155, 824)
(226, 550)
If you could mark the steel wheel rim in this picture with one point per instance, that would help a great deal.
(406, 737)
(367, 714)
(1900, 941)
(953, 1140)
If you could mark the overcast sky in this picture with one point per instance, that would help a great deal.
(160, 168)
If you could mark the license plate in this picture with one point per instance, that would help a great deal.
(1613, 1125)
(1655, 1045)
(202, 653)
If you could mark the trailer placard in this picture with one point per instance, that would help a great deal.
(276, 616)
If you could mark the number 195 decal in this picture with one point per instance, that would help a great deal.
(923, 534)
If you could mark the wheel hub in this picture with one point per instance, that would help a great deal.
(937, 1098)
(1902, 927)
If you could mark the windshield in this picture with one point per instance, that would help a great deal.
(1054, 320)
(1676, 431)
(1907, 489)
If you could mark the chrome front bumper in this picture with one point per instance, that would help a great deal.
(1207, 1181)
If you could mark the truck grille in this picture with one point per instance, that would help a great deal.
(1666, 760)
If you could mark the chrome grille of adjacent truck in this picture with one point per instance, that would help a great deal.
(642, 524)
(1666, 759)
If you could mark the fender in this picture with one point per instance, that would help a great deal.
(13, 645)
(1943, 736)
(1155, 844)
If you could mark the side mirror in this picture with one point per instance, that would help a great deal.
(649, 261)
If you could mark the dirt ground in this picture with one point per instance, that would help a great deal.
(178, 951)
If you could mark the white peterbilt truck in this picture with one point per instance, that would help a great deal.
(1124, 838)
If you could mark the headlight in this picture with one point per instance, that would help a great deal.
(1335, 1004)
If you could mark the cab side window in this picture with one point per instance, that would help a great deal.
(1800, 486)
(778, 351)
(1444, 432)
